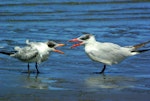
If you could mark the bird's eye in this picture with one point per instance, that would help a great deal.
(51, 45)
(85, 37)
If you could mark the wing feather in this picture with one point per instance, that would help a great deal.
(108, 53)
(26, 53)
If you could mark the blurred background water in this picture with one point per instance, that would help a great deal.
(70, 76)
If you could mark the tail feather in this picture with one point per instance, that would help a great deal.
(139, 51)
(140, 45)
(7, 53)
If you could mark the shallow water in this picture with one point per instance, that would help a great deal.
(70, 76)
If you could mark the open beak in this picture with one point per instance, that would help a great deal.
(59, 51)
(60, 45)
(75, 40)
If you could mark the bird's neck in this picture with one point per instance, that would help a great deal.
(91, 41)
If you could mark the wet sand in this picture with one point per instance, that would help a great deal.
(90, 87)
(16, 94)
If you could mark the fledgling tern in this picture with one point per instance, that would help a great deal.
(34, 52)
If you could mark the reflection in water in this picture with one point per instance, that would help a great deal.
(110, 82)
(36, 82)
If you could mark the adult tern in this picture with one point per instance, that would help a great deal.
(34, 52)
(106, 53)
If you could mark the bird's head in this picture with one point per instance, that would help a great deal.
(53, 45)
(84, 39)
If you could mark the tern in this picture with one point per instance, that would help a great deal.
(36, 52)
(105, 52)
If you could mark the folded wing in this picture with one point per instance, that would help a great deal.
(25, 54)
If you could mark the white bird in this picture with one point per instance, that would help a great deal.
(106, 53)
(34, 52)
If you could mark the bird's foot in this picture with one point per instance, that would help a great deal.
(37, 72)
(98, 72)
(31, 72)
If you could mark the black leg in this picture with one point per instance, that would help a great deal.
(102, 71)
(28, 68)
(36, 66)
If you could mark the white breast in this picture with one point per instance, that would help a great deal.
(43, 51)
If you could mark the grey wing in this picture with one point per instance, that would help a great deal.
(101, 56)
(26, 53)
(108, 54)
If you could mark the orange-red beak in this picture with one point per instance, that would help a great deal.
(59, 51)
(60, 45)
(75, 40)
